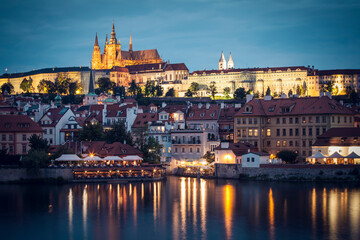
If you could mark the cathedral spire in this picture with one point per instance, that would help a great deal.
(106, 40)
(113, 35)
(222, 62)
(130, 44)
(96, 40)
(230, 62)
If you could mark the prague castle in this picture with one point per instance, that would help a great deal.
(114, 56)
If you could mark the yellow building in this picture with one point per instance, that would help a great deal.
(293, 124)
(114, 56)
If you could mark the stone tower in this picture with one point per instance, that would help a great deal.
(130, 45)
(96, 56)
(222, 62)
(230, 64)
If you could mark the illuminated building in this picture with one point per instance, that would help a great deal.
(293, 124)
(343, 141)
(113, 55)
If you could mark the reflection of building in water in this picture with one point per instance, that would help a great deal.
(229, 194)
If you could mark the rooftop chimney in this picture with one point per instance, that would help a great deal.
(225, 145)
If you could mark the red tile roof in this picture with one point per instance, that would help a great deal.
(292, 106)
(18, 123)
(103, 149)
(195, 113)
(143, 119)
(239, 149)
(55, 114)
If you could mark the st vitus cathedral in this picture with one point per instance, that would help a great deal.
(114, 56)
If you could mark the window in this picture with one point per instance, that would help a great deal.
(296, 143)
(303, 120)
(190, 149)
(3, 137)
(310, 131)
(248, 159)
(333, 119)
(255, 120)
(256, 132)
(304, 143)
(24, 137)
(175, 149)
(250, 132)
(198, 150)
(238, 133)
(310, 144)
(51, 141)
(290, 132)
(11, 137)
(317, 131)
(252, 159)
(345, 119)
(290, 143)
(338, 119)
(304, 131)
(278, 143)
(255, 143)
(268, 132)
(317, 119)
(277, 132)
(11, 148)
(310, 119)
(284, 143)
(296, 120)
(268, 143)
(183, 149)
(50, 131)
(296, 132)
(250, 120)
(291, 120)
(244, 120)
(323, 130)
(284, 120)
(278, 121)
(45, 131)
(244, 132)
(324, 119)
(284, 132)
(350, 119)
(238, 121)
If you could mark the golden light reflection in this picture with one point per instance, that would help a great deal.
(183, 206)
(333, 213)
(271, 215)
(71, 212)
(135, 207)
(85, 203)
(324, 208)
(354, 211)
(194, 204)
(203, 207)
(313, 210)
(229, 205)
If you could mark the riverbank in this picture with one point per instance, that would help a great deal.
(289, 172)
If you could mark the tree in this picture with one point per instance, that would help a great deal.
(210, 157)
(304, 88)
(91, 132)
(226, 91)
(134, 88)
(118, 133)
(189, 93)
(287, 156)
(159, 91)
(290, 93)
(239, 93)
(150, 89)
(152, 150)
(170, 93)
(7, 87)
(35, 160)
(105, 84)
(41, 86)
(74, 87)
(62, 84)
(26, 85)
(268, 91)
(257, 94)
(213, 90)
(194, 88)
(298, 90)
(36, 143)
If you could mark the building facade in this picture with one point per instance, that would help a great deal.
(293, 124)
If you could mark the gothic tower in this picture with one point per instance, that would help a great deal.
(96, 56)
(230, 62)
(130, 45)
(222, 62)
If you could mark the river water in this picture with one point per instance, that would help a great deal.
(181, 208)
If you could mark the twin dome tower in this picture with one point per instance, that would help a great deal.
(222, 62)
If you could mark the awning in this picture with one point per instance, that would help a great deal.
(132, 158)
(68, 157)
(93, 158)
(113, 158)
(317, 155)
(352, 155)
(335, 155)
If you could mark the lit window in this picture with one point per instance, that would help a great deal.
(268, 132)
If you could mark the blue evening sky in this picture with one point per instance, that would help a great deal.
(44, 33)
